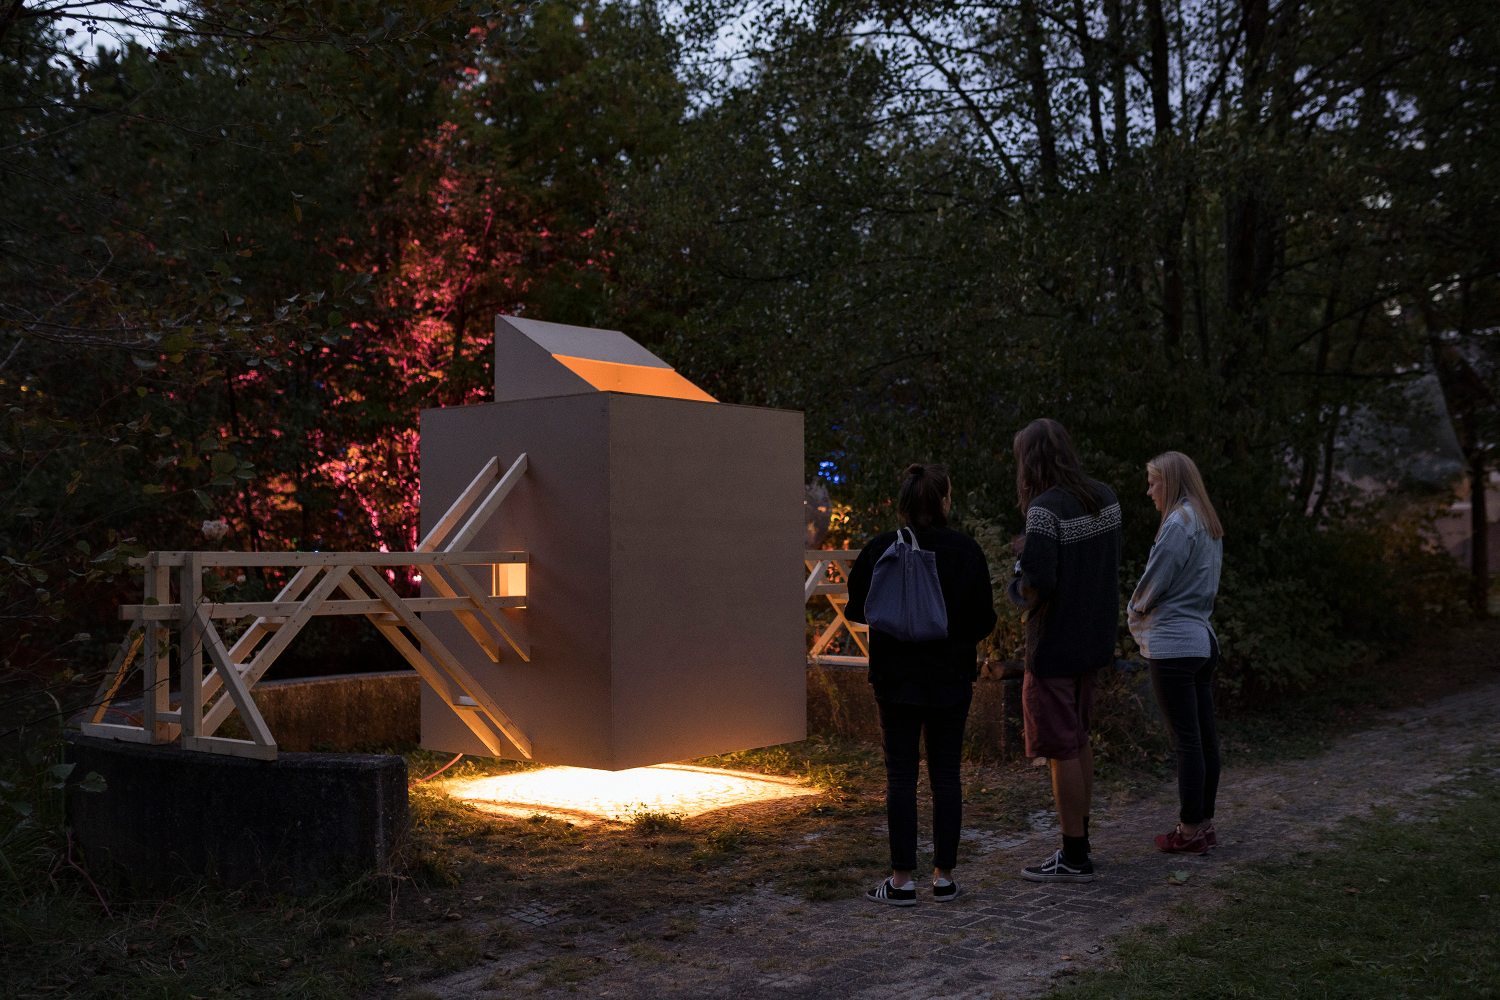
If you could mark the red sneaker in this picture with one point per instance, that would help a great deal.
(1209, 834)
(1176, 843)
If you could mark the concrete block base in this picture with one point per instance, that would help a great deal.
(295, 823)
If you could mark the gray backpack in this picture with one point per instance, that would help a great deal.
(906, 599)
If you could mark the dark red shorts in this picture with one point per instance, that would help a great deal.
(1056, 712)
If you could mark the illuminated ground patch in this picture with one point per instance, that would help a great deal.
(586, 795)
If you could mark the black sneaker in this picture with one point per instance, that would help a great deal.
(945, 892)
(1055, 869)
(886, 892)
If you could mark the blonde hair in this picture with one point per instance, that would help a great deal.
(1183, 483)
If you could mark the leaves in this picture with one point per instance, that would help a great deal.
(1179, 878)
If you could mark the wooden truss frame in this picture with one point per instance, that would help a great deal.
(362, 589)
(820, 564)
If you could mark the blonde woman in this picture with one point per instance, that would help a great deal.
(1169, 614)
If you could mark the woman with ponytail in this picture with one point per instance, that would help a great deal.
(1169, 614)
(925, 685)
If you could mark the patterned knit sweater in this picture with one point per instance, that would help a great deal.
(1069, 582)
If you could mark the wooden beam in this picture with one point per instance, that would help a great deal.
(445, 558)
(156, 670)
(433, 675)
(814, 580)
(272, 649)
(445, 659)
(519, 643)
(238, 692)
(189, 590)
(229, 747)
(464, 502)
(466, 618)
(271, 609)
(491, 503)
(118, 668)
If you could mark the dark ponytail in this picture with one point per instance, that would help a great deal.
(923, 490)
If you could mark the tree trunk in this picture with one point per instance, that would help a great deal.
(1090, 51)
(1041, 97)
(1479, 522)
(1117, 76)
(1171, 240)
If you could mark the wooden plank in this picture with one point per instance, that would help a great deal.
(336, 558)
(434, 676)
(272, 609)
(491, 611)
(156, 671)
(445, 659)
(118, 668)
(190, 591)
(828, 588)
(238, 692)
(491, 503)
(112, 731)
(844, 662)
(228, 747)
(464, 502)
(465, 618)
(811, 586)
(278, 642)
(259, 629)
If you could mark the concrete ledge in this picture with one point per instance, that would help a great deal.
(287, 825)
(343, 711)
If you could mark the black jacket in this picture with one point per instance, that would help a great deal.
(1070, 584)
(965, 579)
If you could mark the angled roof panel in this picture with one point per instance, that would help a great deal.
(535, 359)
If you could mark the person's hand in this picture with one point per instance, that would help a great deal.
(1018, 544)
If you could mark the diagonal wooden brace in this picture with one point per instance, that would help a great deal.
(433, 675)
(262, 742)
(491, 503)
(115, 675)
(215, 716)
(464, 502)
(445, 659)
(491, 610)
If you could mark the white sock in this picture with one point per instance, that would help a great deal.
(909, 884)
(940, 882)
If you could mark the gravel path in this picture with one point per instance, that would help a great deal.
(1007, 937)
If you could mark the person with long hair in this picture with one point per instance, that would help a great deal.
(1169, 618)
(1067, 581)
(925, 687)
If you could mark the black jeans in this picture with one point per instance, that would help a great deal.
(1185, 690)
(902, 725)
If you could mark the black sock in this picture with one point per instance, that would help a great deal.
(1075, 850)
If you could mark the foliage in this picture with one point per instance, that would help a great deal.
(1188, 229)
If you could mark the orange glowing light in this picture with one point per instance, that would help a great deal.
(640, 380)
(584, 795)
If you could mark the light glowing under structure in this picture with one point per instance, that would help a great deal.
(661, 617)
(585, 796)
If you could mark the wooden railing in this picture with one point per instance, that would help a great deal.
(311, 592)
(818, 563)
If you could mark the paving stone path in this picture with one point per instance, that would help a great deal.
(1007, 937)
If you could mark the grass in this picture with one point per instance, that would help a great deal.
(1382, 910)
(386, 936)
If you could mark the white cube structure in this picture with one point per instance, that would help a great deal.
(663, 603)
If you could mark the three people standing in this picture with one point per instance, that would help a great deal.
(1067, 583)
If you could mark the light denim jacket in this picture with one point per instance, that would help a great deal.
(1170, 608)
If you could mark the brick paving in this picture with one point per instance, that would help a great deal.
(1007, 937)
